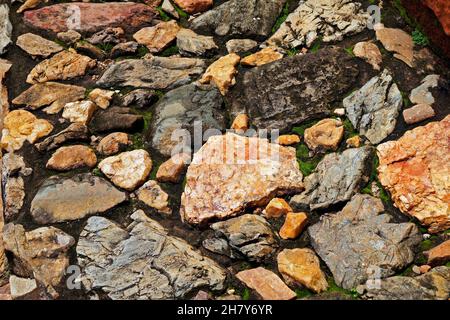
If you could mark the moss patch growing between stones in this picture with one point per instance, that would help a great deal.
(282, 18)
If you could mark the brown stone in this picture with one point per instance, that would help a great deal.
(399, 42)
(277, 207)
(221, 72)
(441, 9)
(113, 143)
(418, 113)
(302, 266)
(439, 254)
(241, 122)
(72, 157)
(266, 55)
(194, 6)
(325, 135)
(172, 169)
(288, 139)
(370, 52)
(354, 142)
(424, 269)
(266, 283)
(153, 196)
(79, 112)
(29, 4)
(37, 46)
(415, 170)
(157, 38)
(101, 98)
(293, 225)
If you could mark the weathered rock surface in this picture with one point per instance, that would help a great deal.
(241, 122)
(101, 98)
(74, 132)
(93, 16)
(277, 207)
(439, 254)
(113, 143)
(114, 119)
(37, 46)
(191, 44)
(52, 94)
(194, 6)
(422, 94)
(64, 199)
(72, 157)
(250, 173)
(240, 45)
(128, 48)
(168, 7)
(373, 109)
(62, 66)
(418, 113)
(24, 289)
(41, 253)
(5, 28)
(140, 98)
(414, 169)
(302, 266)
(79, 112)
(324, 135)
(361, 240)
(369, 51)
(265, 56)
(266, 283)
(154, 196)
(293, 225)
(20, 126)
(240, 18)
(69, 36)
(336, 179)
(88, 49)
(329, 19)
(246, 236)
(288, 139)
(181, 109)
(222, 72)
(151, 264)
(441, 10)
(433, 285)
(157, 38)
(166, 73)
(127, 170)
(108, 35)
(172, 169)
(399, 42)
(294, 89)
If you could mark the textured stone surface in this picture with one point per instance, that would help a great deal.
(101, 98)
(189, 43)
(302, 266)
(442, 10)
(108, 35)
(414, 169)
(266, 283)
(74, 132)
(222, 72)
(154, 196)
(113, 143)
(277, 207)
(5, 28)
(293, 225)
(157, 38)
(336, 179)
(399, 42)
(422, 94)
(37, 46)
(64, 199)
(69, 36)
(265, 56)
(434, 285)
(172, 169)
(72, 157)
(182, 108)
(369, 51)
(93, 16)
(329, 19)
(194, 6)
(324, 135)
(79, 112)
(141, 98)
(115, 118)
(288, 139)
(151, 264)
(361, 239)
(23, 288)
(373, 109)
(166, 73)
(439, 254)
(418, 113)
(240, 18)
(240, 45)
(241, 122)
(128, 48)
(220, 184)
(294, 89)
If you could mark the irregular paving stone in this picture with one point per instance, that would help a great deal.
(151, 264)
(24, 289)
(370, 52)
(418, 113)
(52, 94)
(288, 139)
(64, 199)
(80, 111)
(113, 143)
(361, 239)
(246, 236)
(172, 169)
(101, 98)
(189, 43)
(240, 45)
(399, 42)
(62, 66)
(240, 18)
(141, 98)
(373, 109)
(20, 126)
(107, 36)
(115, 118)
(276, 208)
(5, 28)
(414, 169)
(302, 266)
(241, 122)
(74, 132)
(266, 55)
(336, 179)
(249, 174)
(422, 94)
(69, 36)
(439, 254)
(90, 50)
(324, 135)
(5, 65)
(157, 38)
(194, 6)
(154, 196)
(124, 49)
(441, 10)
(37, 46)
(168, 7)
(266, 283)
(166, 73)
(433, 285)
(293, 225)
(127, 170)
(93, 16)
(178, 112)
(72, 157)
(41, 253)
(221, 72)
(330, 20)
(294, 89)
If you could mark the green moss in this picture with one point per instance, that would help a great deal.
(397, 4)
(300, 130)
(106, 47)
(97, 172)
(333, 287)
(426, 245)
(316, 45)
(349, 50)
(447, 264)
(406, 102)
(181, 13)
(170, 51)
(162, 14)
(282, 18)
(350, 131)
(137, 141)
(446, 231)
(420, 39)
(142, 51)
(292, 52)
(245, 294)
(303, 293)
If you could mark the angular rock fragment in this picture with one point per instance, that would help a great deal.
(114, 119)
(241, 122)
(418, 113)
(293, 225)
(69, 36)
(276, 208)
(265, 56)
(154, 196)
(23, 288)
(191, 44)
(194, 6)
(221, 72)
(108, 35)
(79, 112)
(439, 254)
(101, 98)
(240, 45)
(422, 94)
(124, 49)
(370, 52)
(74, 132)
(361, 241)
(65, 199)
(88, 49)
(399, 42)
(113, 143)
(5, 28)
(157, 38)
(37, 46)
(288, 139)
(72, 157)
(172, 169)
(324, 135)
(151, 264)
(140, 98)
(168, 7)
(231, 173)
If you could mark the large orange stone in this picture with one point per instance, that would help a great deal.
(441, 9)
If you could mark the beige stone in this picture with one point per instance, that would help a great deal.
(113, 143)
(439, 254)
(241, 122)
(302, 266)
(157, 38)
(5, 65)
(293, 225)
(354, 142)
(288, 139)
(424, 269)
(266, 55)
(154, 196)
(101, 97)
(79, 112)
(29, 4)
(172, 169)
(222, 72)
(37, 46)
(418, 113)
(325, 135)
(276, 208)
(369, 51)
(399, 42)
(415, 170)
(194, 6)
(20, 126)
(72, 157)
